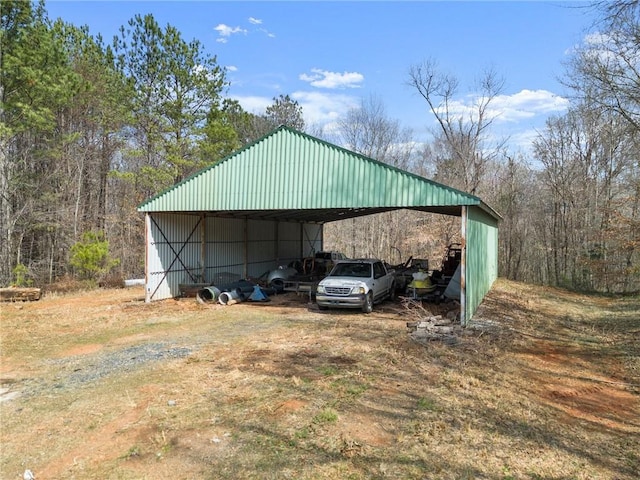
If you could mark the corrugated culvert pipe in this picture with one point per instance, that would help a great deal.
(208, 295)
(231, 297)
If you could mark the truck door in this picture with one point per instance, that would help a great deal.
(379, 285)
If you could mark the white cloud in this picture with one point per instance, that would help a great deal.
(616, 51)
(523, 105)
(322, 109)
(225, 31)
(527, 104)
(268, 33)
(231, 68)
(325, 79)
(253, 104)
(597, 39)
(523, 140)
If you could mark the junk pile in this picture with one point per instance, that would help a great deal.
(442, 285)
(429, 327)
(421, 283)
(433, 328)
(14, 294)
(234, 292)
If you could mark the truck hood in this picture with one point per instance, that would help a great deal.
(341, 282)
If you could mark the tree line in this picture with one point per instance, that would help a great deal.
(89, 130)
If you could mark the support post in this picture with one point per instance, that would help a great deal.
(301, 255)
(463, 267)
(147, 253)
(245, 271)
(277, 242)
(203, 247)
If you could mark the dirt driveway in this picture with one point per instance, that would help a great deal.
(102, 385)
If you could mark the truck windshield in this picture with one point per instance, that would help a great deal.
(362, 270)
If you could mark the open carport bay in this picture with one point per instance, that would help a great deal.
(102, 385)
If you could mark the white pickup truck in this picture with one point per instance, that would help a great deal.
(356, 284)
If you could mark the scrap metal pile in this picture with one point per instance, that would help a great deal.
(414, 279)
(234, 292)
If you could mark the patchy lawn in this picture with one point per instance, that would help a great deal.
(544, 385)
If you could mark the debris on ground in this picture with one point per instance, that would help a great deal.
(234, 292)
(428, 326)
(19, 294)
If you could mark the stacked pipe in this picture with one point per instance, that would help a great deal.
(208, 294)
(230, 294)
(229, 298)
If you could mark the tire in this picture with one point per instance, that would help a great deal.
(392, 292)
(367, 307)
(277, 284)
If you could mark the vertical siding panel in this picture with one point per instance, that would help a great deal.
(482, 256)
(169, 235)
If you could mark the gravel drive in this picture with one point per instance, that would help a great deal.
(78, 371)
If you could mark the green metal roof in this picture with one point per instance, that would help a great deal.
(292, 176)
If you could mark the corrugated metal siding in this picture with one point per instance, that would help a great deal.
(482, 257)
(261, 245)
(169, 233)
(224, 248)
(291, 170)
(311, 239)
(289, 242)
(297, 240)
(174, 256)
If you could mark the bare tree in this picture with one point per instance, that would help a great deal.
(587, 155)
(464, 128)
(604, 73)
(511, 192)
(368, 130)
(606, 68)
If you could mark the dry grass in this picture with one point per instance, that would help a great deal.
(545, 386)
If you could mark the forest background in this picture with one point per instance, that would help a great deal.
(89, 130)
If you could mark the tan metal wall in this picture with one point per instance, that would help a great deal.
(179, 246)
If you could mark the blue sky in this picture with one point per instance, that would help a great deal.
(330, 55)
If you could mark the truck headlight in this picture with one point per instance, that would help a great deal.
(360, 290)
(320, 289)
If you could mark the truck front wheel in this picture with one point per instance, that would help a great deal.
(367, 306)
(392, 292)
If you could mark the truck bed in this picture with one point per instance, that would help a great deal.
(302, 283)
